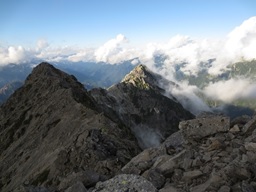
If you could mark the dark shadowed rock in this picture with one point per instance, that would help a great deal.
(156, 178)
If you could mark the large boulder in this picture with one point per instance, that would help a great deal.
(202, 127)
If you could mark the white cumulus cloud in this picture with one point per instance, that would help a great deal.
(239, 44)
(110, 52)
(13, 55)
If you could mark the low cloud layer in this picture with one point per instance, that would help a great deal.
(232, 89)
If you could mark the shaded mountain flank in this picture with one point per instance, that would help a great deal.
(52, 133)
(56, 135)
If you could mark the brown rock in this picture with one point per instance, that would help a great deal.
(189, 175)
(216, 144)
(235, 129)
(250, 146)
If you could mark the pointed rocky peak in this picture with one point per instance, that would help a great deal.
(141, 77)
(48, 82)
(48, 73)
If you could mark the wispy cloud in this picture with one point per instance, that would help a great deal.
(230, 90)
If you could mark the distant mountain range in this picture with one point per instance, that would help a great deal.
(9, 89)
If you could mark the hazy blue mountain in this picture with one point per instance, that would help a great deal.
(93, 74)
(9, 89)
(12, 72)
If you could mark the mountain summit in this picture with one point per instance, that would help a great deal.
(138, 101)
(142, 78)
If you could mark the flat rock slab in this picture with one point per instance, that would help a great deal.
(202, 127)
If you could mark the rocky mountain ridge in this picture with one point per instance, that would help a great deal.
(54, 133)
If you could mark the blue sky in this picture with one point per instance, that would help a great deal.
(91, 23)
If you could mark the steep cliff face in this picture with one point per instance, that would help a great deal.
(139, 102)
(52, 133)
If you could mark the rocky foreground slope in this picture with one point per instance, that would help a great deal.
(207, 154)
(55, 135)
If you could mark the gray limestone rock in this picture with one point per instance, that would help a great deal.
(202, 127)
(143, 161)
(250, 146)
(189, 175)
(124, 183)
